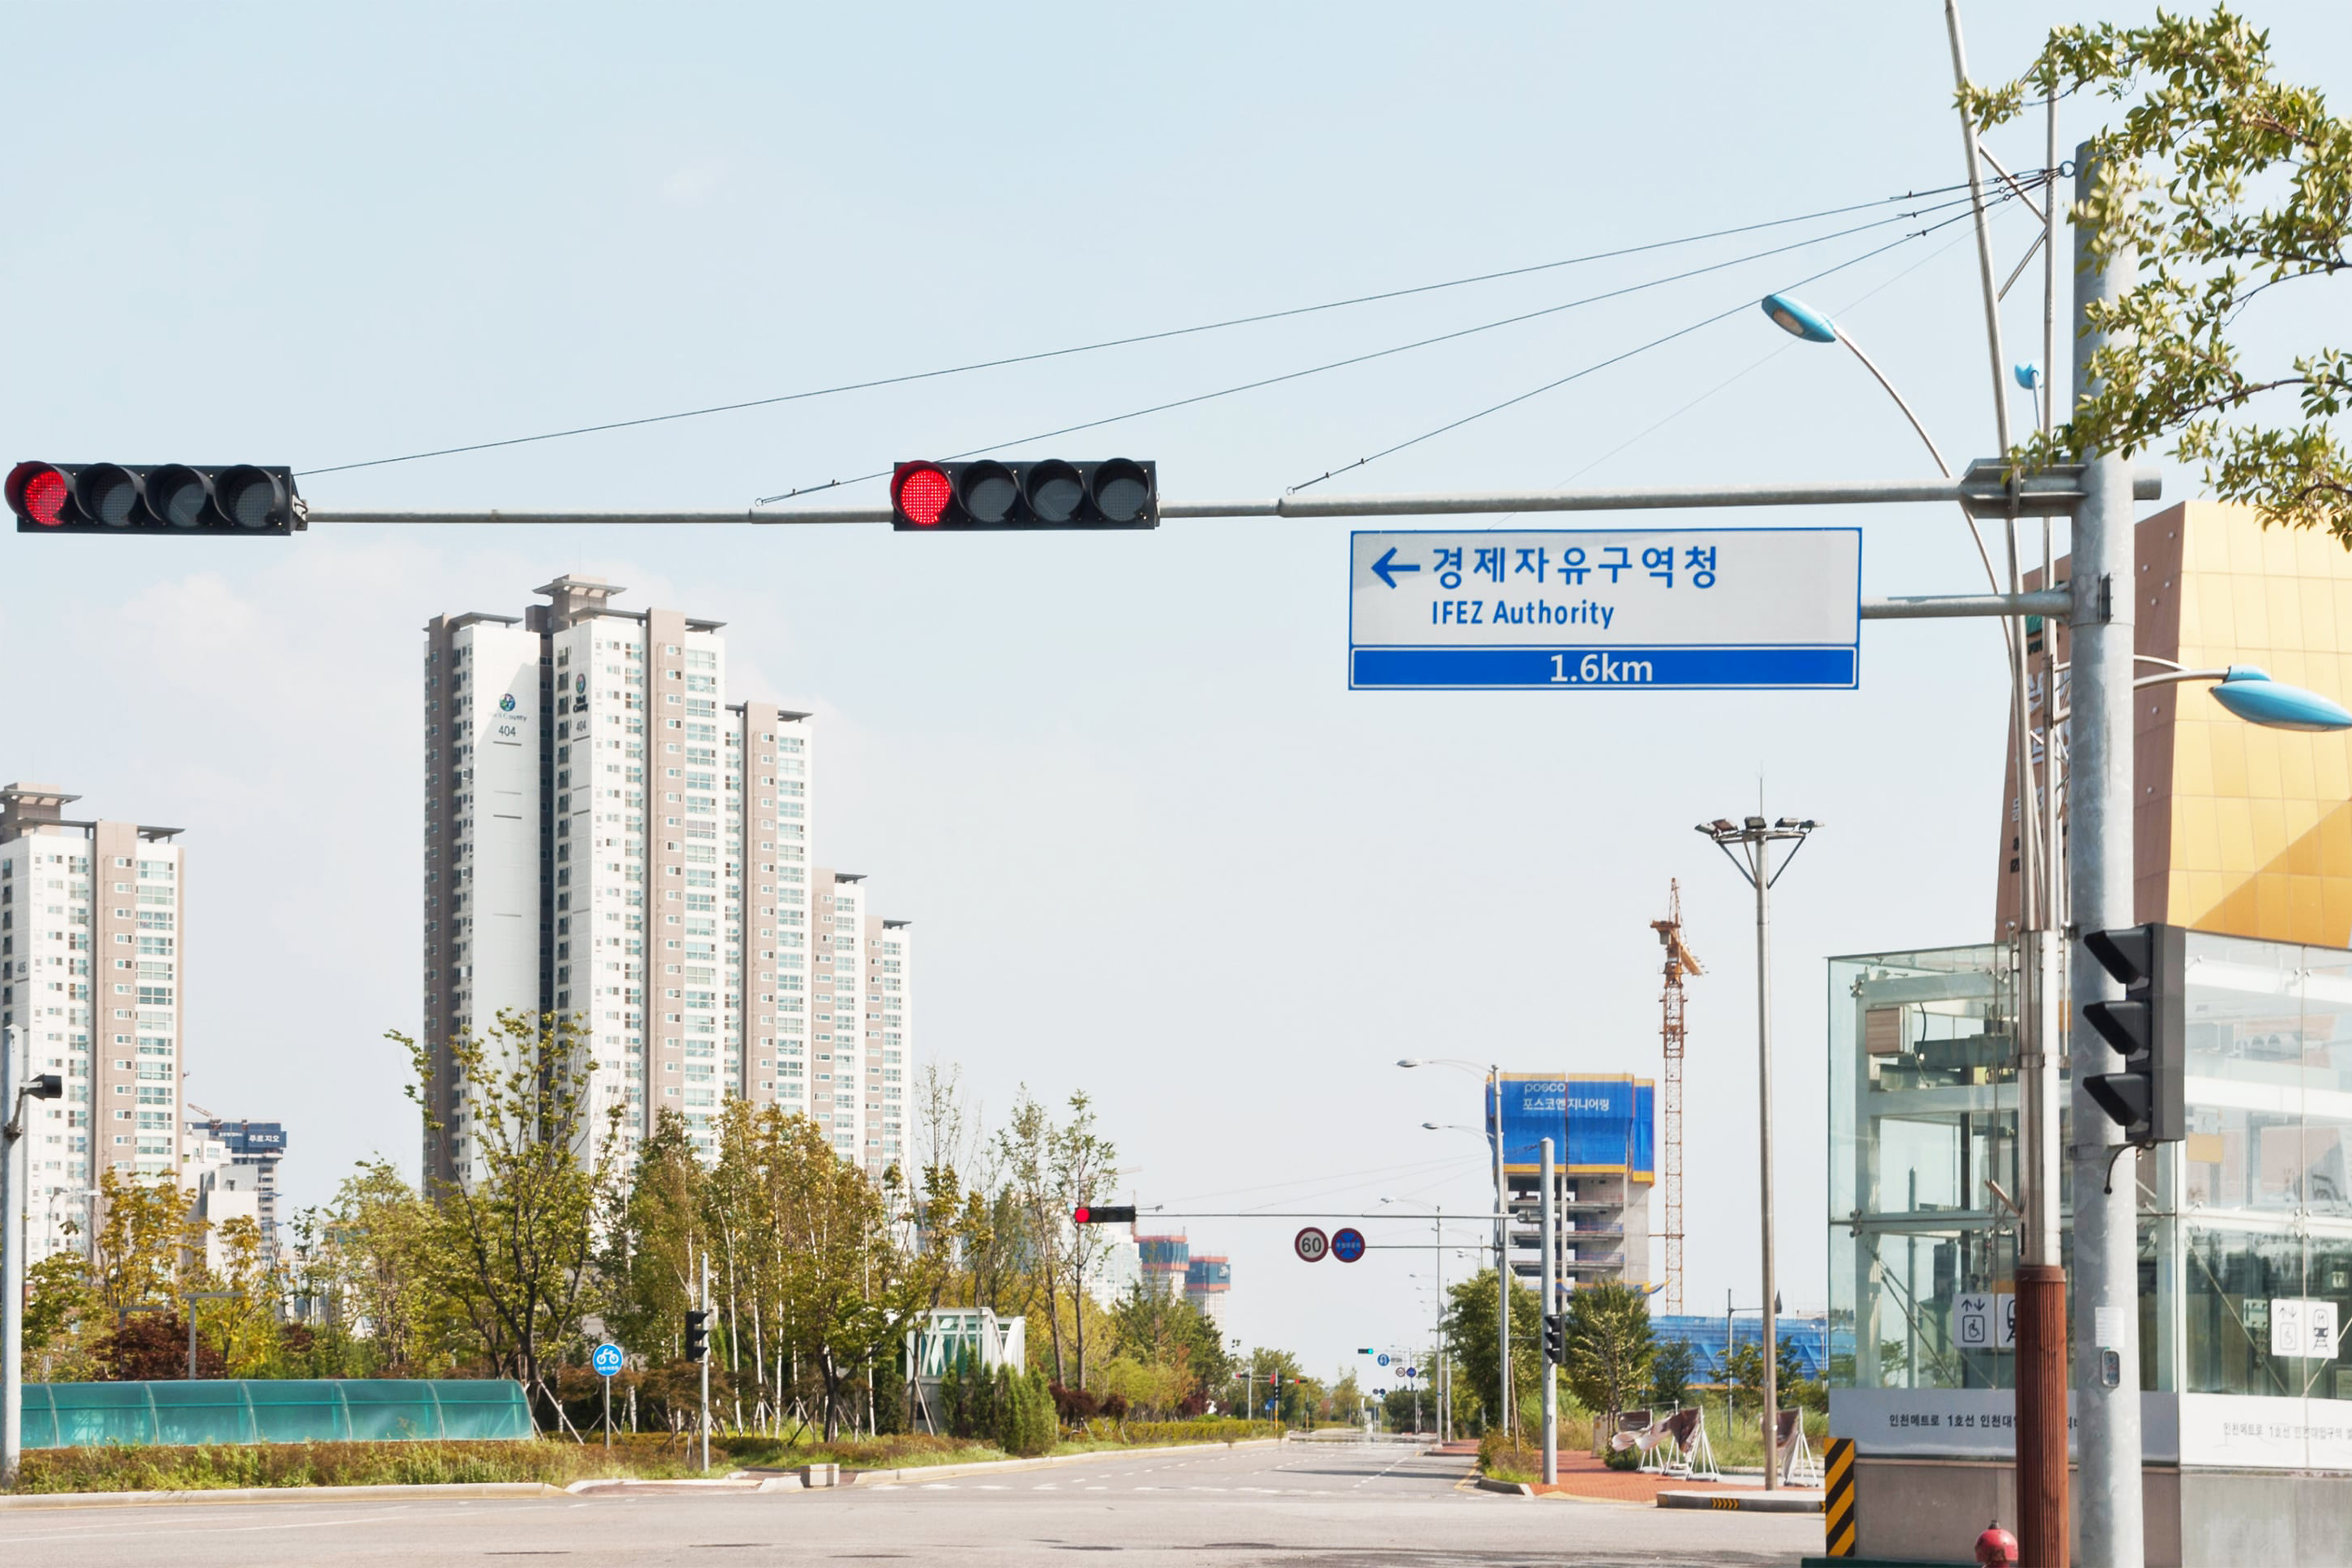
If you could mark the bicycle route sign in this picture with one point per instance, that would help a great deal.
(1605, 609)
(607, 1359)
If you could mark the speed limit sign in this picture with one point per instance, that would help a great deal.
(1311, 1245)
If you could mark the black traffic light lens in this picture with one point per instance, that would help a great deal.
(109, 494)
(250, 497)
(990, 493)
(178, 497)
(1122, 491)
(1056, 492)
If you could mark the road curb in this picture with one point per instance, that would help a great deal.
(991, 1466)
(1508, 1488)
(1784, 1502)
(282, 1494)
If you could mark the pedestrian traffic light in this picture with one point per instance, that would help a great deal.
(1052, 493)
(697, 1335)
(231, 499)
(1555, 1337)
(1103, 1213)
(2149, 1026)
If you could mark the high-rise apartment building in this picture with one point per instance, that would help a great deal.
(225, 1155)
(609, 837)
(89, 980)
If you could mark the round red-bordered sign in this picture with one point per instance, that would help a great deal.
(1310, 1244)
(1347, 1244)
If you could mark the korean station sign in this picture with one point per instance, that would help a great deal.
(1585, 609)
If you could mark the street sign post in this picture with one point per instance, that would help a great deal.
(1310, 1244)
(607, 1362)
(1572, 610)
(1347, 1244)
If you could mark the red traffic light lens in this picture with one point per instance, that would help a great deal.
(1081, 1213)
(923, 494)
(39, 492)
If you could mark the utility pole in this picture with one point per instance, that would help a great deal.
(705, 1365)
(1503, 1389)
(2099, 856)
(11, 1271)
(1550, 1286)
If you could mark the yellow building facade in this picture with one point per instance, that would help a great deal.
(2238, 829)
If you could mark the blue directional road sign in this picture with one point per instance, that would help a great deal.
(1384, 1360)
(1607, 609)
(1415, 1371)
(607, 1359)
(1347, 1244)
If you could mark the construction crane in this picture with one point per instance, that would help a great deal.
(1680, 961)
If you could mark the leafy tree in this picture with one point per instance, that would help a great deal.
(60, 1307)
(1082, 1162)
(371, 1263)
(1610, 1346)
(1672, 1367)
(1470, 1328)
(514, 1234)
(2206, 129)
(145, 1243)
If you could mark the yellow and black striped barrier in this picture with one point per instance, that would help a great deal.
(1838, 1501)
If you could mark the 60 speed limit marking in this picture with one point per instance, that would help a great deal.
(1311, 1245)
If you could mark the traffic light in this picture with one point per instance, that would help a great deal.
(697, 1335)
(929, 497)
(2149, 1026)
(1555, 1326)
(1103, 1213)
(233, 500)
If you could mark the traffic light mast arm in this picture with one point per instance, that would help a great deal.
(2053, 491)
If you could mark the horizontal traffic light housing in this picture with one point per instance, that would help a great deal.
(234, 500)
(1103, 1213)
(1049, 493)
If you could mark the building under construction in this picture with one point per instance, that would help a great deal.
(1603, 1166)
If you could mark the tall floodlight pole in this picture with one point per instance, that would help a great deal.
(1755, 838)
(1545, 1213)
(2099, 856)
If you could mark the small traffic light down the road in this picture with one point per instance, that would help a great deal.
(936, 498)
(230, 500)
(2149, 1026)
(1555, 1326)
(697, 1335)
(1103, 1213)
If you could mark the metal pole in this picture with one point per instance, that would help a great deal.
(608, 1414)
(1444, 1413)
(2055, 490)
(12, 1270)
(1502, 1262)
(2099, 851)
(1550, 1286)
(706, 1364)
(1760, 848)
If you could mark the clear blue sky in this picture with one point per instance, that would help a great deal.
(1153, 846)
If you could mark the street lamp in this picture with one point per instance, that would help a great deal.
(15, 1090)
(1442, 1390)
(1493, 1073)
(1755, 838)
(2250, 693)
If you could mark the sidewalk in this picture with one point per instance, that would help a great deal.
(1585, 1478)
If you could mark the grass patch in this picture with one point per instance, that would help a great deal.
(551, 1461)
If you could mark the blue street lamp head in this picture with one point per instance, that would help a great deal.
(2254, 696)
(1795, 317)
(2028, 376)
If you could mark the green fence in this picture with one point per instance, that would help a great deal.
(293, 1410)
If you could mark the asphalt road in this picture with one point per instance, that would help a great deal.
(1325, 1505)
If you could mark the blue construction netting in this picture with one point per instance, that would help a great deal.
(292, 1410)
(1811, 1338)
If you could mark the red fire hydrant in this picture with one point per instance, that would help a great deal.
(1996, 1548)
